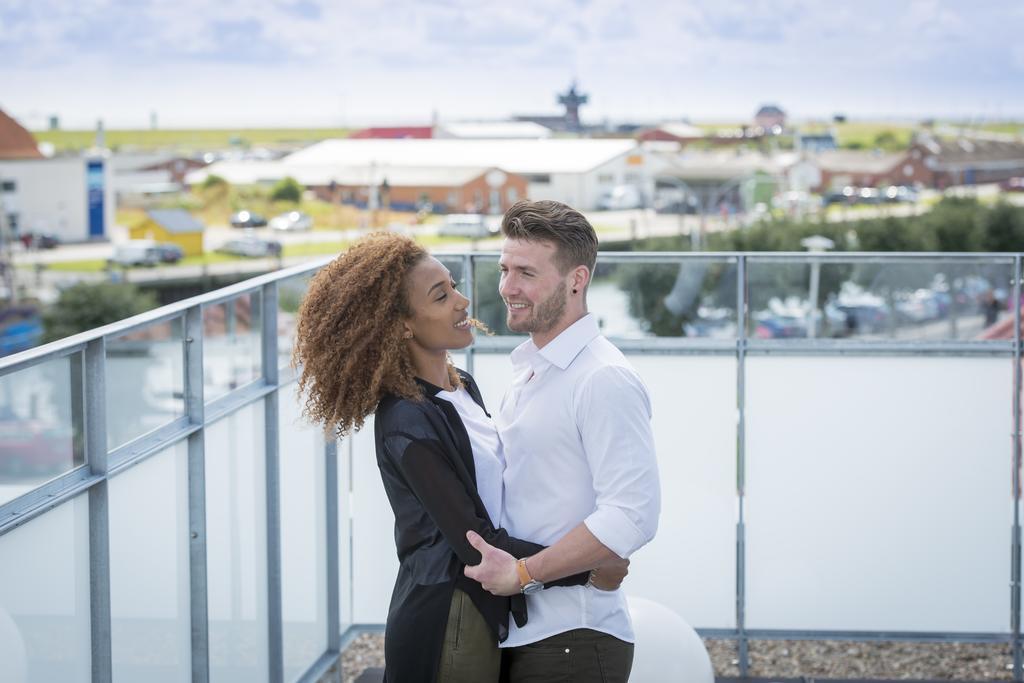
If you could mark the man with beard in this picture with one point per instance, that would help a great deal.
(580, 473)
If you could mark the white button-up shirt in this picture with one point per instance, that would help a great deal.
(488, 460)
(576, 432)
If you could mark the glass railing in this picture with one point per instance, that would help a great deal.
(831, 432)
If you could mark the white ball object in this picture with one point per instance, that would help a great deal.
(667, 648)
(13, 667)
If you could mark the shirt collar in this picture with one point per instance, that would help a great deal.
(563, 349)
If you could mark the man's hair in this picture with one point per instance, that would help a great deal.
(549, 221)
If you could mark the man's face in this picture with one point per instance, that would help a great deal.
(534, 291)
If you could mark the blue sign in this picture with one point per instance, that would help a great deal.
(95, 191)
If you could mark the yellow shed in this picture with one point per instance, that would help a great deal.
(171, 225)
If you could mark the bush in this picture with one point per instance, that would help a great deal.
(86, 306)
(286, 190)
(214, 182)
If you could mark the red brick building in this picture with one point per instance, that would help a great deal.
(394, 133)
(452, 190)
(965, 161)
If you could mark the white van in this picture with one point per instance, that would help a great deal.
(135, 253)
(465, 225)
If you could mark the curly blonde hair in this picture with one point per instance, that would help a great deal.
(349, 340)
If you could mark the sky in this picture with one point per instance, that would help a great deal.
(303, 63)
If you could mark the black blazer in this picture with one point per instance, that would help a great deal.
(426, 463)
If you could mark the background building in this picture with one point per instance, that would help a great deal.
(69, 197)
(171, 225)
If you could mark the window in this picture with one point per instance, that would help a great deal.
(512, 194)
(538, 178)
(606, 179)
(8, 186)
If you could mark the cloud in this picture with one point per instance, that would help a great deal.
(632, 56)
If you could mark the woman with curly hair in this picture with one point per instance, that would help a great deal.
(373, 336)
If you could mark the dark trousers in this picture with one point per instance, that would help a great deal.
(577, 656)
(469, 654)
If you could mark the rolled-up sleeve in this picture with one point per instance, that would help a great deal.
(613, 411)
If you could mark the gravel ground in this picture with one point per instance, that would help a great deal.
(813, 658)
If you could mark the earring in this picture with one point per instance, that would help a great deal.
(407, 335)
(574, 291)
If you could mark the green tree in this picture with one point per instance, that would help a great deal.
(887, 140)
(286, 190)
(1003, 228)
(955, 224)
(214, 182)
(86, 306)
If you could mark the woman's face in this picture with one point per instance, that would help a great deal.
(439, 320)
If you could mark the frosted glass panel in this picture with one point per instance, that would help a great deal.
(231, 345)
(38, 438)
(345, 511)
(44, 598)
(237, 550)
(694, 404)
(149, 571)
(878, 496)
(373, 534)
(303, 538)
(694, 423)
(145, 381)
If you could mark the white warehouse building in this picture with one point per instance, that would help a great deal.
(573, 171)
(70, 197)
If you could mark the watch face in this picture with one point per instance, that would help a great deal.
(532, 587)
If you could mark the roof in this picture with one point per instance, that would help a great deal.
(252, 173)
(494, 130)
(175, 220)
(515, 156)
(854, 161)
(15, 140)
(681, 130)
(770, 110)
(718, 165)
(972, 150)
(394, 132)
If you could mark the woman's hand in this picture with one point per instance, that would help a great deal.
(609, 576)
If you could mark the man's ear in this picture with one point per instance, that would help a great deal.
(580, 278)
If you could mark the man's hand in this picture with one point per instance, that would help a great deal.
(610, 575)
(496, 571)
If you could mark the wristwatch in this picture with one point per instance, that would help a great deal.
(527, 584)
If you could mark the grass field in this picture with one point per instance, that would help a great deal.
(187, 139)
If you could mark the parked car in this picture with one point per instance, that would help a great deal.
(251, 246)
(466, 225)
(293, 220)
(899, 193)
(135, 253)
(247, 219)
(39, 240)
(1012, 185)
(168, 252)
(675, 201)
(621, 197)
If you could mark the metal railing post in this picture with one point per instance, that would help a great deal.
(1015, 554)
(741, 551)
(95, 405)
(333, 554)
(195, 411)
(275, 630)
(467, 268)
